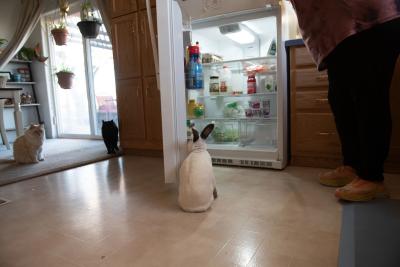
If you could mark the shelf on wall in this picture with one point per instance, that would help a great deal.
(20, 61)
(23, 105)
(21, 83)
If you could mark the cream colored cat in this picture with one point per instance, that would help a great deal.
(28, 148)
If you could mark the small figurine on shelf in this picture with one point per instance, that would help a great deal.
(26, 98)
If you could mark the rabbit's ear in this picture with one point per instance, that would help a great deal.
(195, 135)
(207, 130)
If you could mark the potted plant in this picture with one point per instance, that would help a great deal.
(65, 77)
(60, 33)
(89, 25)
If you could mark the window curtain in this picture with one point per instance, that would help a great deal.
(28, 18)
(102, 5)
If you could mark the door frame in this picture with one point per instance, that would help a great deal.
(90, 90)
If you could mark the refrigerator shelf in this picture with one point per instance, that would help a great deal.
(251, 60)
(264, 120)
(242, 95)
(239, 147)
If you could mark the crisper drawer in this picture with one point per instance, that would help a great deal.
(312, 101)
(302, 57)
(315, 133)
(310, 78)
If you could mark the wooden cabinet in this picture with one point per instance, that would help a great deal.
(131, 110)
(314, 141)
(142, 3)
(145, 43)
(126, 46)
(139, 105)
(122, 7)
(152, 106)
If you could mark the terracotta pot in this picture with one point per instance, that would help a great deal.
(65, 79)
(60, 36)
(89, 29)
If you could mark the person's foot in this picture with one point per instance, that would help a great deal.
(361, 190)
(338, 177)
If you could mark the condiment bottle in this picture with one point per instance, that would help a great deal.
(251, 84)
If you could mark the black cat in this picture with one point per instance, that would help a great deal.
(109, 131)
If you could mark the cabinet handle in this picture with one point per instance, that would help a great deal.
(147, 89)
(326, 133)
(137, 91)
(133, 27)
(322, 78)
(142, 24)
(322, 100)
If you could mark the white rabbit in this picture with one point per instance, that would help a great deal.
(197, 181)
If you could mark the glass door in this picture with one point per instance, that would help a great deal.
(80, 110)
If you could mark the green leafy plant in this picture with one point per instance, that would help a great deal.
(87, 12)
(58, 26)
(64, 68)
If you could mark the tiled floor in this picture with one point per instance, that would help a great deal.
(119, 213)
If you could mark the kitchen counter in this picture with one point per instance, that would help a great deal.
(294, 42)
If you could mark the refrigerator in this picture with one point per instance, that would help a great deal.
(240, 83)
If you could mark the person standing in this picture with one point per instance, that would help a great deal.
(358, 42)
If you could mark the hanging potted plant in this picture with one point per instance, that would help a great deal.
(60, 34)
(89, 25)
(60, 31)
(65, 77)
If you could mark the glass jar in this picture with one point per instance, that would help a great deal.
(214, 85)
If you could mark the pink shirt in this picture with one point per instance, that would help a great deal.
(325, 23)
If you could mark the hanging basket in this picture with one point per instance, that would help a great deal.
(89, 29)
(60, 36)
(65, 79)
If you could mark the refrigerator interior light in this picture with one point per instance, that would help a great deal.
(241, 37)
(238, 33)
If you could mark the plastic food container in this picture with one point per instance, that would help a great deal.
(254, 104)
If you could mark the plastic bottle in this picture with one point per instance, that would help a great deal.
(194, 69)
(251, 84)
(190, 108)
(198, 73)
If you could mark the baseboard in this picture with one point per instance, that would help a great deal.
(143, 152)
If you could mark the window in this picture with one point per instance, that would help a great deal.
(80, 110)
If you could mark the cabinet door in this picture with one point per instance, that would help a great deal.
(393, 162)
(145, 43)
(122, 7)
(152, 105)
(126, 48)
(142, 3)
(130, 110)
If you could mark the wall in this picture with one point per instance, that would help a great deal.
(8, 16)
